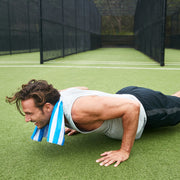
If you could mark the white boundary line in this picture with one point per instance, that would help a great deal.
(113, 62)
(88, 67)
(18, 62)
(88, 62)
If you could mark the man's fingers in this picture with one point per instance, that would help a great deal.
(104, 159)
(111, 157)
(67, 130)
(100, 160)
(106, 153)
(70, 132)
(117, 163)
(104, 156)
(107, 163)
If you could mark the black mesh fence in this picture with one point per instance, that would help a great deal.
(4, 28)
(33, 24)
(71, 26)
(173, 24)
(74, 26)
(149, 28)
(51, 29)
(19, 26)
(80, 24)
(175, 30)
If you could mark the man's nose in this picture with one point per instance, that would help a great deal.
(27, 118)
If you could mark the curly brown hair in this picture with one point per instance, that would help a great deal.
(39, 90)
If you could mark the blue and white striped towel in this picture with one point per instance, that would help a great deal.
(54, 132)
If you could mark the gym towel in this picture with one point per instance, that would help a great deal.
(55, 130)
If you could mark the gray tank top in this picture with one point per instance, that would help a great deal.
(112, 128)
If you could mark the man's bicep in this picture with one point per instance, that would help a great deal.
(100, 107)
(105, 108)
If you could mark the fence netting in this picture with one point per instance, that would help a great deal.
(149, 28)
(63, 27)
(74, 26)
(173, 24)
(19, 26)
(175, 30)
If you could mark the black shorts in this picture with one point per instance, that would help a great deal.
(161, 110)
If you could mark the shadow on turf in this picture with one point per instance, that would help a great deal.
(161, 132)
(77, 144)
(96, 144)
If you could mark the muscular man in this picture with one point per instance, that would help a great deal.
(123, 115)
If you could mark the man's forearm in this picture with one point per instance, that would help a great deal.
(130, 124)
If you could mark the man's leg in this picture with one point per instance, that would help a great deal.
(161, 110)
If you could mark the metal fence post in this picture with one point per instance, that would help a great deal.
(41, 34)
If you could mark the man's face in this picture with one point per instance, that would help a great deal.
(33, 114)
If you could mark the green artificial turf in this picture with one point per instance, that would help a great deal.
(155, 156)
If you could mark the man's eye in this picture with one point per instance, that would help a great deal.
(28, 113)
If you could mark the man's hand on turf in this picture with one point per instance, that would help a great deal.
(111, 157)
(70, 132)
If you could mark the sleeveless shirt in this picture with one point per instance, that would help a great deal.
(112, 128)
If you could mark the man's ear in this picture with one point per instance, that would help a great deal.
(48, 107)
